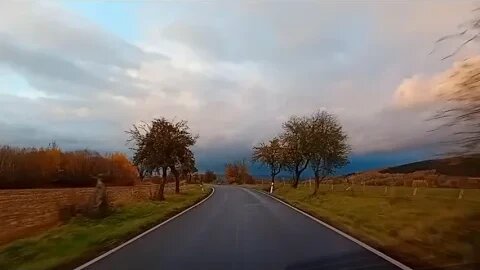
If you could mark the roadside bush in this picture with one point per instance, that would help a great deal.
(237, 172)
(209, 177)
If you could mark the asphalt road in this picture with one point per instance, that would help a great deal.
(238, 228)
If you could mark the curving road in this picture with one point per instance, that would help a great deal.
(237, 228)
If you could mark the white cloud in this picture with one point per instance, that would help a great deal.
(421, 90)
(417, 91)
(404, 123)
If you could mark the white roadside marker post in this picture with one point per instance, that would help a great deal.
(271, 188)
(460, 194)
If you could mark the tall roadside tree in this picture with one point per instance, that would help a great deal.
(328, 146)
(271, 155)
(188, 168)
(181, 155)
(295, 139)
(138, 141)
(160, 146)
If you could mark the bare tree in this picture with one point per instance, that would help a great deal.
(296, 146)
(187, 168)
(181, 154)
(271, 155)
(468, 32)
(328, 146)
(160, 146)
(461, 110)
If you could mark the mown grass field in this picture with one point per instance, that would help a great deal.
(431, 229)
(83, 238)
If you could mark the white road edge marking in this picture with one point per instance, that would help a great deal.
(83, 266)
(351, 238)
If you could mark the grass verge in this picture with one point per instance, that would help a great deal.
(430, 232)
(82, 239)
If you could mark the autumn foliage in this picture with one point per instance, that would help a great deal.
(237, 172)
(209, 177)
(52, 167)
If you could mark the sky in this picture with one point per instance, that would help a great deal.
(82, 72)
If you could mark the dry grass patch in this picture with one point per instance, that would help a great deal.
(432, 228)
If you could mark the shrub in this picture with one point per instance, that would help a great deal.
(237, 172)
(209, 177)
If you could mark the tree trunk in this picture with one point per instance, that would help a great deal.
(298, 171)
(272, 186)
(161, 186)
(177, 179)
(296, 179)
(141, 173)
(177, 185)
(317, 184)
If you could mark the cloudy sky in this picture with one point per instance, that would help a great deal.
(81, 73)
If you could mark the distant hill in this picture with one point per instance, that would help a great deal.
(455, 166)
